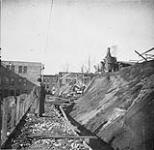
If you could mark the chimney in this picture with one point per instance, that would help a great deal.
(108, 52)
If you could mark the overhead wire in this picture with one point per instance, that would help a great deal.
(49, 22)
(47, 35)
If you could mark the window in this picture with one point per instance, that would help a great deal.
(12, 92)
(20, 69)
(6, 93)
(25, 69)
(13, 68)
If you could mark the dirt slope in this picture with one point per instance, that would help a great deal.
(119, 107)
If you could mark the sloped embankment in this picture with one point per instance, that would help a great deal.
(119, 107)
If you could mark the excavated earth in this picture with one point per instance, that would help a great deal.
(52, 124)
(119, 107)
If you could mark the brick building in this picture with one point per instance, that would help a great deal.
(72, 77)
(50, 81)
(66, 78)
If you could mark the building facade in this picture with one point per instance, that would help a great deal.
(74, 77)
(29, 70)
(11, 84)
(18, 77)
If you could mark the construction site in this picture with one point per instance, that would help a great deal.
(112, 110)
(77, 75)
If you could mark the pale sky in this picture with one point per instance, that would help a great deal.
(78, 29)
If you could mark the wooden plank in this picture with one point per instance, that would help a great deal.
(13, 112)
(62, 137)
(62, 111)
(4, 120)
(148, 51)
(141, 55)
(59, 98)
(17, 109)
(56, 102)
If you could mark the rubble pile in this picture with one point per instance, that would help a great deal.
(53, 124)
(72, 91)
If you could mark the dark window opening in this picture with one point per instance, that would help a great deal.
(20, 69)
(12, 92)
(6, 93)
(25, 69)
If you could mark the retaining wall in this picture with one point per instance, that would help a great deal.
(13, 108)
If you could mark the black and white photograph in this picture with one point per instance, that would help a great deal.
(77, 74)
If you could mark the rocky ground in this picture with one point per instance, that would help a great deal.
(119, 107)
(52, 124)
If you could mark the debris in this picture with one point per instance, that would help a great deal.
(54, 124)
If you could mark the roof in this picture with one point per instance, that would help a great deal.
(13, 61)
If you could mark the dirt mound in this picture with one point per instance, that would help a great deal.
(119, 107)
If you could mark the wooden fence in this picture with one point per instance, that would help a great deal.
(13, 108)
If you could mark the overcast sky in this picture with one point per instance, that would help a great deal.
(78, 29)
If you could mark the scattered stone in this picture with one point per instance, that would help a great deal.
(54, 124)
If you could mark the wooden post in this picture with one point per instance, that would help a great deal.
(141, 55)
(24, 105)
(13, 116)
(20, 109)
(4, 120)
(17, 110)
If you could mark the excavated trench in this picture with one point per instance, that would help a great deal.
(51, 124)
(20, 139)
(95, 144)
